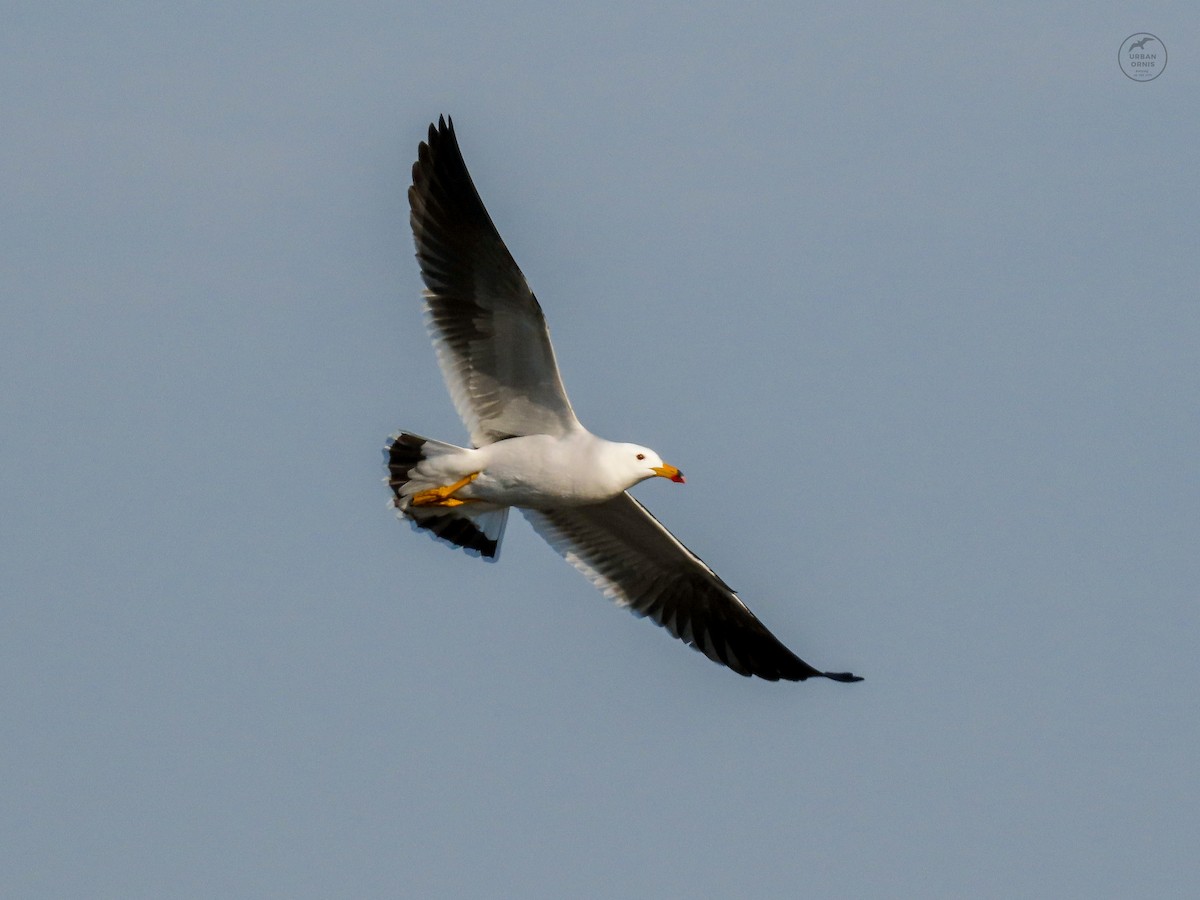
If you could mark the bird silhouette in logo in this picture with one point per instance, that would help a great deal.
(1138, 45)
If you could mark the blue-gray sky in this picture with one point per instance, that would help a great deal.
(910, 292)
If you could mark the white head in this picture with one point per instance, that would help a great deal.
(634, 464)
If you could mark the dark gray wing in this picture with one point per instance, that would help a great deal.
(636, 562)
(487, 326)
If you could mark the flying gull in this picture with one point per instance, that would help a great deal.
(528, 449)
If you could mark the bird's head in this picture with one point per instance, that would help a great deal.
(643, 463)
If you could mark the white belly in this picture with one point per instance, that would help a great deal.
(539, 471)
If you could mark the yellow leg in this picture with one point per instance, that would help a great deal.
(443, 496)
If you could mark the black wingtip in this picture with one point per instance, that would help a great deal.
(442, 128)
(844, 677)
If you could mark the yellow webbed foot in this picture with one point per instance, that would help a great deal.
(443, 496)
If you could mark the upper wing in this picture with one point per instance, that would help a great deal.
(639, 564)
(487, 326)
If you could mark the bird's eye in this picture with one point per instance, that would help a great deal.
(641, 456)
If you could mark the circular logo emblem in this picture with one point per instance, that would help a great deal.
(1142, 56)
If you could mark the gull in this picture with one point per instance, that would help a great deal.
(529, 451)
